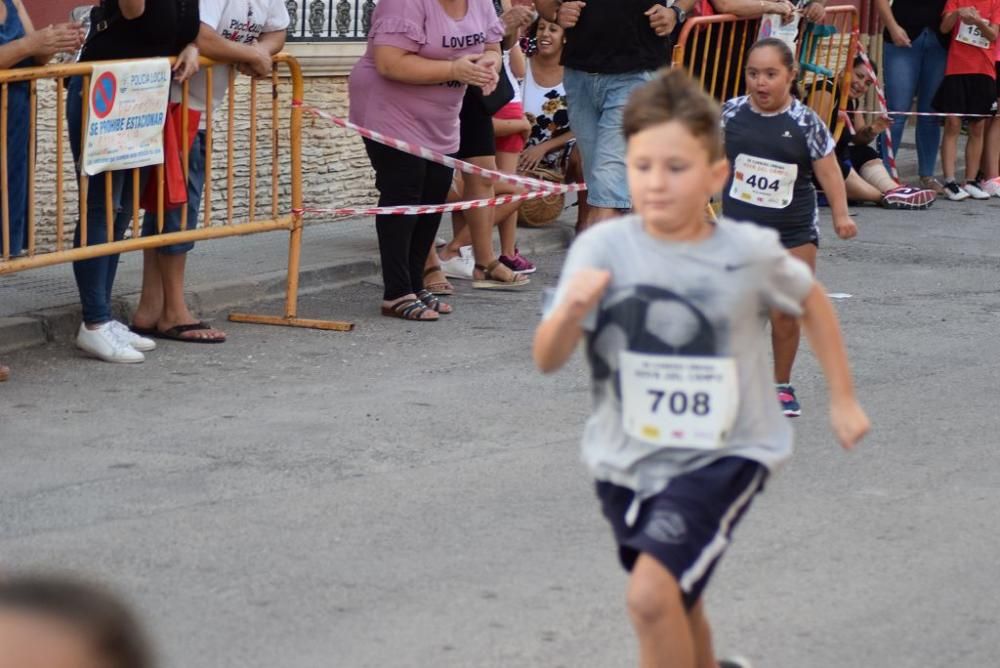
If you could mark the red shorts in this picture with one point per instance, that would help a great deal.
(511, 111)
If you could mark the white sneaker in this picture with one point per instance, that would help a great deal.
(954, 192)
(466, 252)
(992, 187)
(975, 190)
(103, 343)
(140, 343)
(459, 266)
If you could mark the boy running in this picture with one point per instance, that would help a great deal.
(685, 428)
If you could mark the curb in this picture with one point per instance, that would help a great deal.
(60, 323)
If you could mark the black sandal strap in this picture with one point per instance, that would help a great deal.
(406, 308)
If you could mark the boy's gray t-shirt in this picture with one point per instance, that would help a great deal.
(708, 299)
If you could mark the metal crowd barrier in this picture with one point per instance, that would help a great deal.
(713, 50)
(282, 213)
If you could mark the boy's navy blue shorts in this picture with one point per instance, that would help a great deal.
(688, 525)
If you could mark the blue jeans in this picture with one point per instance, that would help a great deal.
(595, 103)
(172, 217)
(96, 277)
(911, 72)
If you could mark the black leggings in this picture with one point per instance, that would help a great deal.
(405, 241)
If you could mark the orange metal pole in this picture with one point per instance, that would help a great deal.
(32, 131)
(207, 189)
(253, 148)
(84, 179)
(5, 222)
(60, 106)
(231, 129)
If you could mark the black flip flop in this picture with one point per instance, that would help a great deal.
(176, 333)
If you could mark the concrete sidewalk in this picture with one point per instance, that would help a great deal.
(42, 305)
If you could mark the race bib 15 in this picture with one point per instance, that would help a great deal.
(677, 401)
(972, 35)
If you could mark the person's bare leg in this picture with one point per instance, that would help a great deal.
(150, 307)
(974, 148)
(657, 612)
(701, 632)
(861, 190)
(504, 217)
(574, 174)
(949, 146)
(990, 164)
(785, 328)
(175, 309)
(480, 222)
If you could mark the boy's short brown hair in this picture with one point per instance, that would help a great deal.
(674, 96)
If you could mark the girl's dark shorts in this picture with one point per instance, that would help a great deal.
(475, 131)
(966, 94)
(688, 526)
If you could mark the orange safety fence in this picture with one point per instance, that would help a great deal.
(713, 50)
(262, 186)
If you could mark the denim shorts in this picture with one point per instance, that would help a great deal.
(595, 103)
(172, 217)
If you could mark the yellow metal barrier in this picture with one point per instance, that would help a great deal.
(713, 50)
(280, 215)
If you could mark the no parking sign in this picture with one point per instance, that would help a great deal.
(127, 106)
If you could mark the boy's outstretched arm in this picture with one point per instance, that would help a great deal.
(557, 335)
(847, 417)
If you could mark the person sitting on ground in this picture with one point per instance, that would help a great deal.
(245, 32)
(865, 175)
(50, 622)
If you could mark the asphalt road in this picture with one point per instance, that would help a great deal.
(411, 495)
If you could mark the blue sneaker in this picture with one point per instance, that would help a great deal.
(789, 404)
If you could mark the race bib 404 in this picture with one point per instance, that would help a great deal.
(762, 182)
(677, 401)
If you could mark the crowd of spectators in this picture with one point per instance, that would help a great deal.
(535, 90)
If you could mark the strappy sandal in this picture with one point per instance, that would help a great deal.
(434, 303)
(409, 309)
(490, 281)
(443, 288)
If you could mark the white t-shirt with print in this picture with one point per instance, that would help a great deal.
(242, 21)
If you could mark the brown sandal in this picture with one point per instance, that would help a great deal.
(409, 309)
(443, 288)
(4, 373)
(434, 303)
(490, 281)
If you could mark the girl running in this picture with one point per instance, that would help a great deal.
(775, 145)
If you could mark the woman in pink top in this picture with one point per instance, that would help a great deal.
(409, 85)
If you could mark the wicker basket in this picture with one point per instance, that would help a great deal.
(542, 211)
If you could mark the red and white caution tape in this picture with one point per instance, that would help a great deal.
(440, 158)
(935, 114)
(441, 208)
(884, 106)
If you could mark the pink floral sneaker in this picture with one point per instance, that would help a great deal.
(518, 263)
